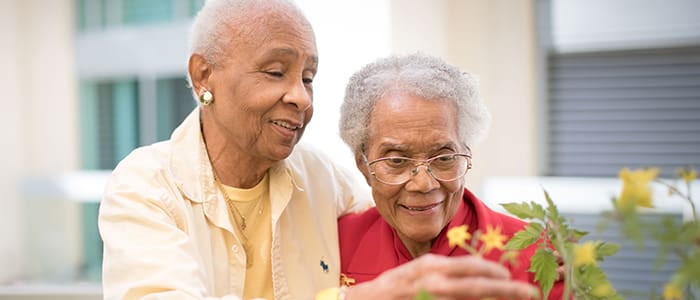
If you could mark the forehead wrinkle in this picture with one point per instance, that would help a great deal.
(406, 147)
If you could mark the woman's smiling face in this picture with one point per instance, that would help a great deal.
(263, 87)
(409, 126)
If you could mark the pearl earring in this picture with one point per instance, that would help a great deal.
(206, 98)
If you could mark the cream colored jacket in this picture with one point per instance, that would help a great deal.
(167, 233)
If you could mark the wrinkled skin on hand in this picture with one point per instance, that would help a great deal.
(444, 278)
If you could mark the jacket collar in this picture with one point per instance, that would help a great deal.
(192, 172)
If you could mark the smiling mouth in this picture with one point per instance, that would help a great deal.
(421, 208)
(287, 125)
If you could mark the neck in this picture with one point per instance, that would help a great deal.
(232, 166)
(416, 249)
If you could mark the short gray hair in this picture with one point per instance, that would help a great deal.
(418, 75)
(221, 21)
(212, 26)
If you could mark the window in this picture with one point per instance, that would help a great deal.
(609, 110)
(109, 124)
(174, 102)
(98, 14)
(111, 128)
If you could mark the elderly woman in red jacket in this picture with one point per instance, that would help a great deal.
(409, 121)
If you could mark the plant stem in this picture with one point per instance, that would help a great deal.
(569, 270)
(685, 197)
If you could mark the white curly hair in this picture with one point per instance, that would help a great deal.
(419, 75)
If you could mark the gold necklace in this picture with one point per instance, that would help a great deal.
(232, 205)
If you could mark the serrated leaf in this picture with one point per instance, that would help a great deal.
(544, 265)
(579, 234)
(607, 249)
(525, 210)
(553, 212)
(525, 237)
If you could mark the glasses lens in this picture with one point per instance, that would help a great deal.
(397, 170)
(392, 170)
(449, 167)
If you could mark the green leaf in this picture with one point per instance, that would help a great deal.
(606, 249)
(525, 237)
(423, 295)
(544, 265)
(553, 212)
(525, 210)
(579, 234)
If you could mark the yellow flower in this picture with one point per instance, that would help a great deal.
(458, 236)
(584, 254)
(672, 292)
(687, 174)
(635, 187)
(493, 238)
(602, 290)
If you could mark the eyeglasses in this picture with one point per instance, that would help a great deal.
(399, 170)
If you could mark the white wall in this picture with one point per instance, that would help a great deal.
(38, 120)
(11, 141)
(623, 24)
(349, 34)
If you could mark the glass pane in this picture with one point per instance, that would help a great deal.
(147, 12)
(195, 5)
(126, 116)
(89, 137)
(174, 102)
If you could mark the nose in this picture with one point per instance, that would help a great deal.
(422, 181)
(300, 95)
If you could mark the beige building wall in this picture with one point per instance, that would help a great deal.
(495, 40)
(38, 121)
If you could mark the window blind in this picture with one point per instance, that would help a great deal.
(609, 110)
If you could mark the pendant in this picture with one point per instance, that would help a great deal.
(248, 256)
(243, 226)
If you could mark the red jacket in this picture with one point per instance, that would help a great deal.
(370, 246)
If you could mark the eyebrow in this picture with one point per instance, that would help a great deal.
(406, 148)
(284, 51)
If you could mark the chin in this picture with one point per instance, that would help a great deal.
(423, 237)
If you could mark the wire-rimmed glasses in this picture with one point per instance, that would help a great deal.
(397, 170)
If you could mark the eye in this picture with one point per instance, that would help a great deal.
(445, 158)
(444, 161)
(308, 80)
(277, 74)
(396, 162)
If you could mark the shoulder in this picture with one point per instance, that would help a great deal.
(313, 166)
(352, 228)
(308, 157)
(143, 163)
(357, 224)
(509, 225)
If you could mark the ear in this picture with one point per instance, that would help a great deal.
(200, 70)
(362, 166)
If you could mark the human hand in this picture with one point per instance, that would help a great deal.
(561, 271)
(444, 278)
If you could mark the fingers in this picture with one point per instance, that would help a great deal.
(463, 277)
(560, 270)
(479, 287)
(461, 266)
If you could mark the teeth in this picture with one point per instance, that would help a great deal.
(285, 125)
(417, 209)
(421, 208)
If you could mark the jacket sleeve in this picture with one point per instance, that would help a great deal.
(354, 196)
(147, 254)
